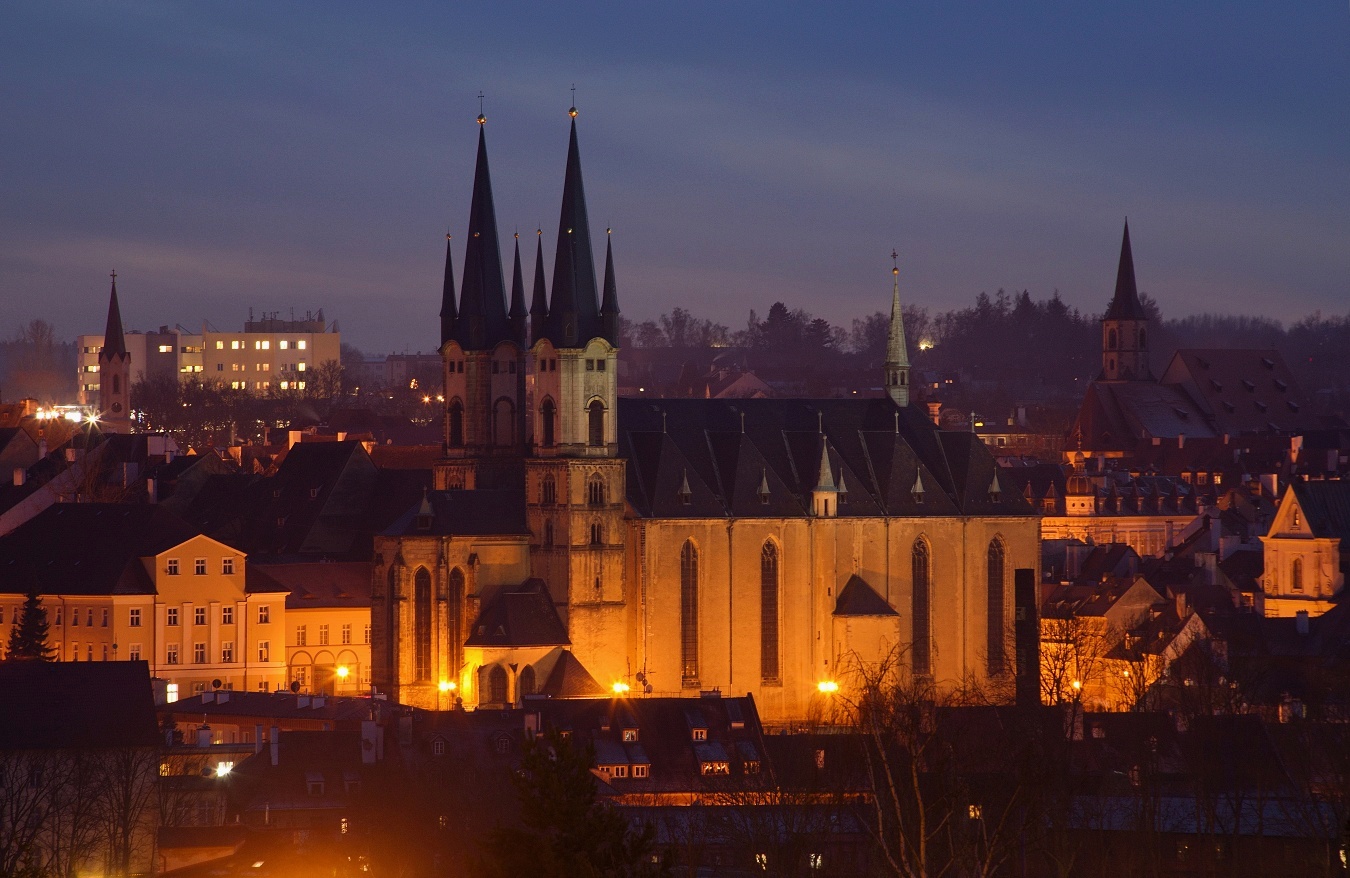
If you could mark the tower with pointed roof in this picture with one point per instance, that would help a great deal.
(1125, 325)
(114, 367)
(897, 353)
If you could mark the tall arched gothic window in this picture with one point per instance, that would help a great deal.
(595, 491)
(456, 417)
(996, 618)
(504, 422)
(596, 412)
(456, 622)
(689, 613)
(422, 625)
(922, 643)
(497, 685)
(1111, 339)
(768, 611)
(1296, 575)
(391, 633)
(547, 414)
(526, 684)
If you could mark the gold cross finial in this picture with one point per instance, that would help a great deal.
(572, 110)
(482, 119)
(114, 274)
(895, 266)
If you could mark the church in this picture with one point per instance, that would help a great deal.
(578, 543)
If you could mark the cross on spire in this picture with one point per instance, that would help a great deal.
(482, 119)
(113, 274)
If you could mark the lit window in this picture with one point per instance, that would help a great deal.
(300, 367)
(630, 736)
(285, 385)
(234, 345)
(227, 652)
(283, 344)
(700, 734)
(166, 349)
(220, 345)
(301, 344)
(300, 385)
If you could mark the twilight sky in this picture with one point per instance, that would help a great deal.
(288, 156)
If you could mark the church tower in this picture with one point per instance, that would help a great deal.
(482, 347)
(114, 369)
(897, 352)
(1125, 326)
(574, 476)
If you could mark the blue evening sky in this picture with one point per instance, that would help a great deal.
(222, 156)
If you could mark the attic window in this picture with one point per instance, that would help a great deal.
(1229, 407)
(685, 494)
(640, 770)
(314, 783)
(1261, 405)
(1268, 362)
(313, 493)
(1216, 385)
(1203, 363)
(1251, 388)
(1280, 385)
(1293, 406)
(715, 768)
(1181, 413)
(699, 734)
(630, 736)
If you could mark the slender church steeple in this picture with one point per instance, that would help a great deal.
(517, 314)
(573, 314)
(539, 301)
(448, 296)
(1125, 325)
(609, 306)
(897, 352)
(114, 367)
(482, 320)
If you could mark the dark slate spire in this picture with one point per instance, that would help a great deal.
(609, 307)
(517, 314)
(114, 341)
(1125, 305)
(482, 319)
(573, 314)
(448, 297)
(539, 304)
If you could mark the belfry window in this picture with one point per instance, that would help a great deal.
(456, 421)
(547, 413)
(596, 411)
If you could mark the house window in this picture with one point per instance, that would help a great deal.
(199, 567)
(173, 567)
(323, 635)
(75, 618)
(227, 652)
(630, 736)
(264, 651)
(1296, 575)
(135, 618)
(438, 747)
(170, 616)
(105, 619)
(346, 633)
(171, 654)
(264, 614)
(58, 616)
(89, 617)
(621, 771)
(227, 566)
(689, 612)
(134, 652)
(301, 635)
(699, 734)
(367, 635)
(640, 770)
(227, 615)
(199, 616)
(199, 653)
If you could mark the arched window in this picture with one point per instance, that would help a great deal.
(597, 423)
(595, 491)
(768, 611)
(1111, 339)
(689, 613)
(497, 685)
(504, 422)
(547, 413)
(456, 622)
(526, 684)
(391, 633)
(597, 533)
(995, 619)
(548, 491)
(422, 625)
(922, 642)
(117, 383)
(1296, 575)
(456, 423)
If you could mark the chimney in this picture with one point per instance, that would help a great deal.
(151, 494)
(1181, 440)
(293, 437)
(258, 738)
(935, 412)
(1301, 622)
(274, 742)
(372, 742)
(1181, 605)
(203, 735)
(20, 476)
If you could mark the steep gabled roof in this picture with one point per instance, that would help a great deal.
(480, 512)
(1125, 303)
(524, 616)
(1326, 506)
(574, 312)
(114, 340)
(570, 679)
(857, 598)
(482, 320)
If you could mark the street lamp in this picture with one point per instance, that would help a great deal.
(827, 687)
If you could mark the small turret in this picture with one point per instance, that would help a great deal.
(825, 495)
(448, 313)
(516, 316)
(114, 366)
(1125, 325)
(609, 306)
(573, 314)
(897, 352)
(539, 302)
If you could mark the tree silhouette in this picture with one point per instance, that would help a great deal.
(28, 637)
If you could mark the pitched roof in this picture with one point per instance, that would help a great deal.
(311, 584)
(1125, 303)
(1326, 505)
(84, 705)
(857, 598)
(725, 450)
(570, 679)
(524, 616)
(88, 548)
(480, 512)
(1243, 390)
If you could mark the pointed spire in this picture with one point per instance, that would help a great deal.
(448, 313)
(114, 340)
(1125, 304)
(482, 319)
(517, 314)
(897, 351)
(573, 312)
(917, 490)
(539, 303)
(825, 481)
(609, 306)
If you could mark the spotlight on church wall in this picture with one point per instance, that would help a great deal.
(827, 687)
(620, 688)
(446, 686)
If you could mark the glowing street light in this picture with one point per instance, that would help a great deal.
(620, 688)
(827, 687)
(343, 672)
(446, 686)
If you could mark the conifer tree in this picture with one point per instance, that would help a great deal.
(28, 637)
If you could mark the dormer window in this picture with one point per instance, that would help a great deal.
(640, 771)
(630, 736)
(699, 734)
(714, 768)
